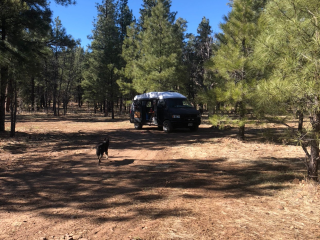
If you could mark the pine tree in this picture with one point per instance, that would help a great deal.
(197, 51)
(154, 53)
(59, 43)
(232, 61)
(104, 60)
(23, 24)
(288, 51)
(146, 11)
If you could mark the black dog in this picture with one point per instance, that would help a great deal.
(103, 148)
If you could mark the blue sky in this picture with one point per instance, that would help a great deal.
(78, 19)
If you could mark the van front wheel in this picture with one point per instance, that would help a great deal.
(194, 128)
(138, 126)
(167, 126)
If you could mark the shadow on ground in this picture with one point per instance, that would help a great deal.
(74, 181)
(79, 185)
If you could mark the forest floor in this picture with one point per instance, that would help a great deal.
(182, 185)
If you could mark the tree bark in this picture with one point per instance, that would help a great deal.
(313, 161)
(121, 104)
(54, 101)
(105, 108)
(8, 100)
(300, 117)
(13, 106)
(313, 157)
(112, 109)
(32, 96)
(4, 80)
(3, 86)
(242, 112)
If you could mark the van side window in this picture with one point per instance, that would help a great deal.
(161, 103)
(137, 103)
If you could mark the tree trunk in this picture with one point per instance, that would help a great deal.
(13, 106)
(79, 96)
(32, 95)
(3, 80)
(242, 113)
(300, 117)
(54, 101)
(3, 86)
(121, 104)
(112, 108)
(105, 108)
(58, 107)
(241, 133)
(312, 159)
(8, 101)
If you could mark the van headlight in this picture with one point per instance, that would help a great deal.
(175, 116)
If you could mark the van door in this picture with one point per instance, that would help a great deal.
(136, 112)
(160, 111)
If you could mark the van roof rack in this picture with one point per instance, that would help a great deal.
(158, 95)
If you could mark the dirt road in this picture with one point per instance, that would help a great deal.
(183, 185)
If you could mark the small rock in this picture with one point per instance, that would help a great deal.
(280, 207)
(69, 236)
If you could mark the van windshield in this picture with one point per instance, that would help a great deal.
(178, 103)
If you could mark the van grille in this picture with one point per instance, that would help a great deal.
(189, 118)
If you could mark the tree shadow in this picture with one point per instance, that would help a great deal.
(80, 186)
(74, 180)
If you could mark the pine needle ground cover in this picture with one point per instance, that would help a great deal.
(184, 185)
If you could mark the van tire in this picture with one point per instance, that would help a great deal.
(194, 128)
(138, 126)
(167, 126)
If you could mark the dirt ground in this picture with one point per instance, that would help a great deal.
(182, 185)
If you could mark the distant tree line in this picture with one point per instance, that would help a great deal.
(264, 61)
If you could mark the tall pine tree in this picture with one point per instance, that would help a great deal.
(154, 51)
(104, 61)
(18, 19)
(232, 61)
(288, 51)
